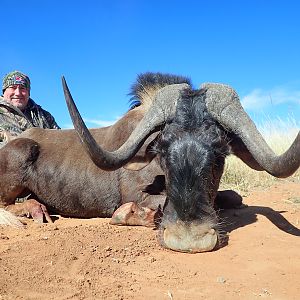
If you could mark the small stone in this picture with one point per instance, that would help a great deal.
(152, 259)
(221, 279)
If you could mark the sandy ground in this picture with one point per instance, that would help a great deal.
(90, 259)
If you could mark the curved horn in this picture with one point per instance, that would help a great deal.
(224, 105)
(163, 107)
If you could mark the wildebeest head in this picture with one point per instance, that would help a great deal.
(197, 130)
(191, 151)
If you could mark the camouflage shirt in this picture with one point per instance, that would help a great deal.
(14, 121)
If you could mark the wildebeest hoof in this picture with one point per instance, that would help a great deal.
(228, 199)
(31, 208)
(132, 214)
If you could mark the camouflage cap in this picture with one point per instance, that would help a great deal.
(14, 78)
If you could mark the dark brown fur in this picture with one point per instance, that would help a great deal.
(54, 166)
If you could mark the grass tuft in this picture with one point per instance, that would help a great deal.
(279, 135)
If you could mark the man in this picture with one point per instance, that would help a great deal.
(18, 111)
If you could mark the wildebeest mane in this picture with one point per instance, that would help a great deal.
(192, 115)
(147, 84)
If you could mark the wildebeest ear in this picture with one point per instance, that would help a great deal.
(144, 156)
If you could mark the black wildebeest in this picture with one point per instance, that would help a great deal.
(197, 129)
(196, 134)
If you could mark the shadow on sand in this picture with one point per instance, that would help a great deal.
(234, 218)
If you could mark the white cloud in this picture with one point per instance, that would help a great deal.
(258, 98)
(67, 126)
(93, 123)
(99, 123)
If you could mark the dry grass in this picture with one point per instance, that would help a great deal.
(279, 135)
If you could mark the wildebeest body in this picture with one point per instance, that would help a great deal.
(61, 175)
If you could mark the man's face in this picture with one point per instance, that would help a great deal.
(17, 95)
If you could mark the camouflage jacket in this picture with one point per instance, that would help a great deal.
(14, 121)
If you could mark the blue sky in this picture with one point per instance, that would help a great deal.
(101, 46)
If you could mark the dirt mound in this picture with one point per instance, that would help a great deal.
(90, 259)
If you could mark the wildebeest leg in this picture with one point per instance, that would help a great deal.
(16, 159)
(30, 208)
(132, 214)
(145, 213)
(8, 194)
(228, 199)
